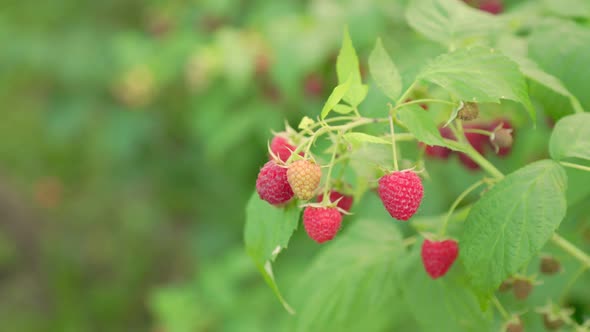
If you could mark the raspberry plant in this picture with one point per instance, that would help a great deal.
(374, 153)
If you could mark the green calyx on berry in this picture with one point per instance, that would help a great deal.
(514, 324)
(554, 316)
(501, 137)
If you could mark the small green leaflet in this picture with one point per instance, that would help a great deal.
(479, 75)
(451, 23)
(335, 97)
(305, 123)
(384, 72)
(355, 272)
(356, 138)
(268, 230)
(420, 124)
(454, 113)
(347, 68)
(496, 243)
(571, 137)
(342, 109)
(445, 304)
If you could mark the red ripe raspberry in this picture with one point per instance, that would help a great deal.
(345, 203)
(439, 152)
(314, 85)
(494, 7)
(401, 193)
(478, 141)
(321, 223)
(503, 151)
(281, 147)
(438, 257)
(272, 185)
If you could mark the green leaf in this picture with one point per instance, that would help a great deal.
(334, 98)
(451, 23)
(342, 108)
(511, 223)
(445, 304)
(531, 70)
(347, 63)
(347, 68)
(356, 94)
(561, 49)
(268, 230)
(479, 75)
(419, 122)
(569, 8)
(384, 72)
(352, 274)
(571, 137)
(356, 138)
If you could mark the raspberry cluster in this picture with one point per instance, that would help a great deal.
(293, 175)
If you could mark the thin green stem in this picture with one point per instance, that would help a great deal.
(345, 127)
(456, 203)
(478, 131)
(500, 308)
(576, 166)
(409, 241)
(329, 175)
(334, 119)
(473, 154)
(571, 249)
(424, 101)
(404, 137)
(356, 112)
(393, 145)
(571, 283)
(407, 93)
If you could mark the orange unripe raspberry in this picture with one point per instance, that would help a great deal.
(304, 177)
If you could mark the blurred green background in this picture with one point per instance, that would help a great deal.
(130, 139)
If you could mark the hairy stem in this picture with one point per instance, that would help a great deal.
(500, 308)
(326, 129)
(327, 185)
(424, 101)
(407, 93)
(393, 145)
(478, 131)
(456, 203)
(473, 154)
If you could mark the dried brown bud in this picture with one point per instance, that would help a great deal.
(549, 265)
(552, 323)
(515, 325)
(522, 288)
(469, 111)
(506, 285)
